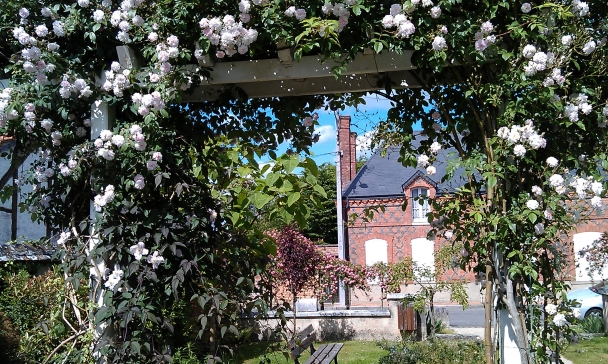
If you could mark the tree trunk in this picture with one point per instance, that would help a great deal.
(294, 310)
(432, 313)
(521, 340)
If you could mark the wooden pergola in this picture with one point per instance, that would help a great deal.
(275, 77)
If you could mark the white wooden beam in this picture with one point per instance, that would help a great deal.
(102, 118)
(126, 57)
(313, 86)
(308, 67)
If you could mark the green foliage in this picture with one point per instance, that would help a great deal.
(593, 324)
(322, 224)
(433, 352)
(186, 355)
(32, 308)
(319, 202)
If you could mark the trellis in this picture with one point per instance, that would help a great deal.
(275, 77)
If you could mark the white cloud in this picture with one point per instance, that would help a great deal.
(364, 143)
(326, 133)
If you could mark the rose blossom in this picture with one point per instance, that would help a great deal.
(139, 182)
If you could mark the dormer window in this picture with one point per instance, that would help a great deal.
(420, 207)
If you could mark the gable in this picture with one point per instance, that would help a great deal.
(386, 177)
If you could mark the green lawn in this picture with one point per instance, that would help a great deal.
(588, 351)
(353, 352)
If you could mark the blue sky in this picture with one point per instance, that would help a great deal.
(363, 120)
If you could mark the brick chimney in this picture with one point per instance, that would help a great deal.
(348, 148)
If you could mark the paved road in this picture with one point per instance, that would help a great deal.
(471, 317)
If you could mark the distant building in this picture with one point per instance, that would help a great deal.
(16, 226)
(397, 233)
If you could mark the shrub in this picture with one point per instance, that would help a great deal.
(593, 324)
(32, 308)
(433, 352)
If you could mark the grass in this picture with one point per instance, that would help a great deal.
(353, 352)
(588, 351)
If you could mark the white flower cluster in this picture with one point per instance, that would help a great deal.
(424, 160)
(138, 137)
(165, 51)
(68, 170)
(101, 200)
(578, 103)
(589, 47)
(439, 43)
(299, 14)
(341, 10)
(5, 113)
(139, 182)
(396, 18)
(586, 186)
(63, 237)
(30, 56)
(484, 38)
(580, 8)
(78, 86)
(114, 277)
(538, 61)
(123, 19)
(116, 79)
(139, 250)
(229, 35)
(43, 174)
(520, 135)
(559, 318)
(145, 102)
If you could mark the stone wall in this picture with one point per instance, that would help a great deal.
(340, 325)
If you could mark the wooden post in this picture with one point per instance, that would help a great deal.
(102, 117)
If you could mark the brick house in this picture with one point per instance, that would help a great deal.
(397, 233)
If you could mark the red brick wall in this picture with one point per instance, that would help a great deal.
(348, 145)
(395, 226)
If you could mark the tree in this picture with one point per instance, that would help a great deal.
(322, 225)
(300, 267)
(433, 281)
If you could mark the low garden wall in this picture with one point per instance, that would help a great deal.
(354, 324)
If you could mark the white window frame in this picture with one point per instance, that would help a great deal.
(420, 208)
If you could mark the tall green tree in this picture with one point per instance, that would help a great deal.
(322, 224)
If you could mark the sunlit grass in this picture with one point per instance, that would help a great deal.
(588, 351)
(353, 352)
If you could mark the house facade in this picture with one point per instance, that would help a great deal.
(396, 233)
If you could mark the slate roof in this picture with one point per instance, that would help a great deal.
(386, 177)
(22, 252)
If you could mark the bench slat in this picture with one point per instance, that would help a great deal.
(300, 336)
(325, 354)
(303, 346)
(333, 353)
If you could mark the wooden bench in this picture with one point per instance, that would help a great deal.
(324, 354)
